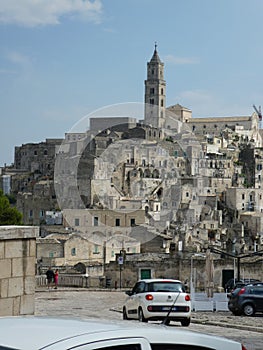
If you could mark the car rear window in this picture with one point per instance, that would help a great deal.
(165, 287)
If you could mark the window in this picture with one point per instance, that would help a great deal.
(73, 251)
(35, 153)
(45, 152)
(152, 101)
(112, 254)
(151, 91)
(30, 213)
(41, 213)
(138, 288)
(187, 194)
(165, 346)
(243, 196)
(161, 103)
(96, 249)
(162, 91)
(132, 222)
(76, 221)
(95, 221)
(117, 222)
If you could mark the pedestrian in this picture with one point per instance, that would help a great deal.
(56, 279)
(50, 277)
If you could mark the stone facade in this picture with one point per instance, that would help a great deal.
(17, 270)
(179, 267)
(37, 157)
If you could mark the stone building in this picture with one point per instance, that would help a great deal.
(37, 157)
(155, 93)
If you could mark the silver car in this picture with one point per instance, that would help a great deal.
(158, 299)
(28, 333)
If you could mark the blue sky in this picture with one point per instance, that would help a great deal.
(62, 59)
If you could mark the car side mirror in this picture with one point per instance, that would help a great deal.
(128, 292)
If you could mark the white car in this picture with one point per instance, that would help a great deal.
(28, 333)
(158, 299)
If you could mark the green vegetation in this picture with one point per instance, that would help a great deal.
(8, 215)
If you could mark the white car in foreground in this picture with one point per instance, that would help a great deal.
(26, 333)
(158, 299)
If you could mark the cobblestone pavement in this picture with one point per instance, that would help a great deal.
(108, 305)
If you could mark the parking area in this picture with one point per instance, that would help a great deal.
(85, 303)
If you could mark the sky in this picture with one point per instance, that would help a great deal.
(62, 59)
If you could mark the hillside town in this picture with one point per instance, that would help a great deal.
(146, 197)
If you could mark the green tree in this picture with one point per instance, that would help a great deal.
(8, 215)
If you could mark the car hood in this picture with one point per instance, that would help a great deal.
(26, 333)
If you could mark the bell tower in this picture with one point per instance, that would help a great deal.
(155, 92)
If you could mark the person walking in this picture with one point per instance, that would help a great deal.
(50, 277)
(56, 279)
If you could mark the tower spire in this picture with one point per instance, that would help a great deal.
(155, 92)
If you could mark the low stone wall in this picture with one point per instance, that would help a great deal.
(80, 281)
(17, 270)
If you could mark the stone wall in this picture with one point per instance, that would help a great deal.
(178, 267)
(17, 270)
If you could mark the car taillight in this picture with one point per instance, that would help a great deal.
(243, 347)
(242, 291)
(148, 297)
(187, 297)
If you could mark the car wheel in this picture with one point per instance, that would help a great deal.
(141, 316)
(185, 322)
(124, 314)
(248, 310)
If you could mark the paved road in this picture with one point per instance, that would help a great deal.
(105, 304)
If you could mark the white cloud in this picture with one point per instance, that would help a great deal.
(201, 102)
(210, 104)
(18, 58)
(180, 60)
(6, 71)
(32, 13)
